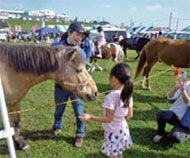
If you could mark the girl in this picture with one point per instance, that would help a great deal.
(100, 41)
(118, 106)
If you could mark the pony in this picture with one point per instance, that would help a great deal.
(168, 51)
(23, 66)
(111, 51)
(137, 45)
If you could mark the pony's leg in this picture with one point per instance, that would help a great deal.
(126, 54)
(108, 63)
(15, 120)
(142, 81)
(146, 73)
(98, 66)
(138, 54)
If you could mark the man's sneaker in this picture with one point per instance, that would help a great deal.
(157, 138)
(98, 55)
(52, 134)
(78, 141)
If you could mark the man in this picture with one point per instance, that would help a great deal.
(72, 37)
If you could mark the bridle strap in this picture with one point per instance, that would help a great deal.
(77, 85)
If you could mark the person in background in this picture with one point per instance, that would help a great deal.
(115, 37)
(71, 38)
(118, 106)
(86, 46)
(160, 34)
(181, 94)
(133, 36)
(100, 41)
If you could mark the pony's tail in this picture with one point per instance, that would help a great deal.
(141, 63)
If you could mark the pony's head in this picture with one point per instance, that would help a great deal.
(73, 75)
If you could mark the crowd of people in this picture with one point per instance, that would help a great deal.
(35, 37)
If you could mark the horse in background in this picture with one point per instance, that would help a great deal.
(111, 51)
(168, 51)
(23, 66)
(135, 44)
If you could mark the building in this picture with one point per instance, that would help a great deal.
(11, 14)
(44, 13)
(39, 15)
(49, 15)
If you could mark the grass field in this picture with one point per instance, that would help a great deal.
(35, 124)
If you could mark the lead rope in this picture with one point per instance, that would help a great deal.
(169, 80)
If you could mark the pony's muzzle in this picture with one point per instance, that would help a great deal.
(91, 97)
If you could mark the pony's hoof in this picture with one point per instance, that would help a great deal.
(101, 69)
(26, 147)
(146, 88)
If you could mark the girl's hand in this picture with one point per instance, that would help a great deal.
(85, 117)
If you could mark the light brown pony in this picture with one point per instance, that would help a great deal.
(111, 51)
(22, 67)
(168, 51)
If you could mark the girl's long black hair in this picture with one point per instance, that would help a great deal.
(123, 73)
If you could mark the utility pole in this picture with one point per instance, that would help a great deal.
(131, 22)
(177, 24)
(170, 20)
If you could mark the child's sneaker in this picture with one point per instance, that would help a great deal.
(98, 55)
(157, 138)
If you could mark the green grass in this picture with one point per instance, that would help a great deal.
(35, 124)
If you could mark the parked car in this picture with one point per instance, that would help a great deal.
(109, 31)
(3, 36)
(25, 35)
(181, 35)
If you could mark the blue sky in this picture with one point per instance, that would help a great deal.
(145, 12)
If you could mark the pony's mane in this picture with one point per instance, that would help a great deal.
(28, 58)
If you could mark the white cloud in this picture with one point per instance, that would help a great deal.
(133, 9)
(153, 7)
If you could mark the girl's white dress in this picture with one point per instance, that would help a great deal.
(116, 133)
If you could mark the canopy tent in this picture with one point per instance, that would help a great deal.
(61, 28)
(187, 29)
(47, 30)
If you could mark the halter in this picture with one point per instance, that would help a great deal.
(77, 86)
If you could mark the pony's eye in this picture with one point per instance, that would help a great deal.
(79, 70)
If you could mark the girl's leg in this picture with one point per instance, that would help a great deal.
(120, 156)
(113, 157)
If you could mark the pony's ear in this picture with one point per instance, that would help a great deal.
(71, 53)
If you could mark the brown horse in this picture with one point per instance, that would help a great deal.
(171, 52)
(110, 51)
(22, 67)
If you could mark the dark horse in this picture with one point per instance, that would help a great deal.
(137, 44)
(23, 66)
(168, 51)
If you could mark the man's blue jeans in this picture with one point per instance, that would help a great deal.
(61, 95)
